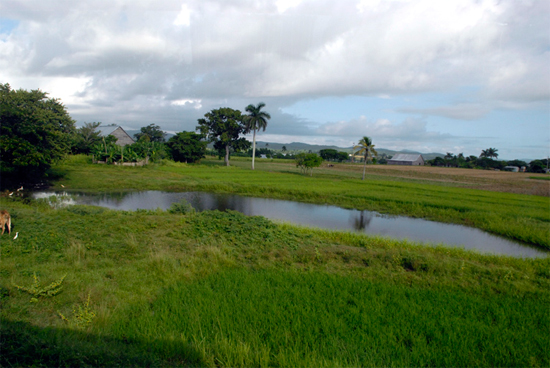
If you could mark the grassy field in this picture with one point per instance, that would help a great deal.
(520, 217)
(87, 286)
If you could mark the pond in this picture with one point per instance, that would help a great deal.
(314, 215)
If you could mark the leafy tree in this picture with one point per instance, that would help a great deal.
(342, 156)
(307, 161)
(187, 147)
(451, 159)
(256, 119)
(283, 149)
(86, 137)
(366, 149)
(438, 161)
(35, 132)
(536, 166)
(328, 154)
(487, 163)
(150, 133)
(223, 127)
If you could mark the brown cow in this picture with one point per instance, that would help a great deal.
(5, 219)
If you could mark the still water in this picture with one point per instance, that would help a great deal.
(319, 216)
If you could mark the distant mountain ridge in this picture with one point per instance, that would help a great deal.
(298, 146)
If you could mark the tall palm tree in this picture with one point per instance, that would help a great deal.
(489, 152)
(366, 149)
(256, 119)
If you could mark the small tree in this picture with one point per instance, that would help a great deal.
(307, 161)
(187, 147)
(86, 137)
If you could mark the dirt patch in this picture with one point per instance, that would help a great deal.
(499, 181)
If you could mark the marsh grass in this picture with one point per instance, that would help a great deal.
(223, 289)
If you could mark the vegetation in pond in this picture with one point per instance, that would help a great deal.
(519, 217)
(307, 297)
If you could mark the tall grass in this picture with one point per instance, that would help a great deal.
(289, 318)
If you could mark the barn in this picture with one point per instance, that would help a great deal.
(116, 131)
(411, 159)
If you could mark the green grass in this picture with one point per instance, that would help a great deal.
(223, 289)
(291, 318)
(519, 217)
(154, 288)
(540, 177)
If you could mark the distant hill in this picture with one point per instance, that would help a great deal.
(298, 146)
(305, 147)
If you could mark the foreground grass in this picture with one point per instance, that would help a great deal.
(525, 218)
(150, 288)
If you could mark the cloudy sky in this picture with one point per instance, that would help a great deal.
(425, 75)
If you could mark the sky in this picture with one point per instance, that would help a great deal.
(453, 76)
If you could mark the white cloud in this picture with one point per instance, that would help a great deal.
(284, 5)
(184, 16)
(196, 104)
(142, 56)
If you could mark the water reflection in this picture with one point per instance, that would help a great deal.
(361, 222)
(320, 216)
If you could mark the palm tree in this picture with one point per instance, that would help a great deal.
(492, 152)
(366, 149)
(256, 119)
(489, 152)
(448, 158)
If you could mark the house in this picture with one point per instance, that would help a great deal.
(411, 159)
(116, 131)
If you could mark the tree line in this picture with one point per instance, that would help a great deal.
(37, 131)
(486, 160)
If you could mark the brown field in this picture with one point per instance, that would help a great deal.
(499, 181)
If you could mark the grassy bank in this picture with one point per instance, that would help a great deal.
(524, 218)
(86, 286)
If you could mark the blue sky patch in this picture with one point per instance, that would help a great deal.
(7, 25)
